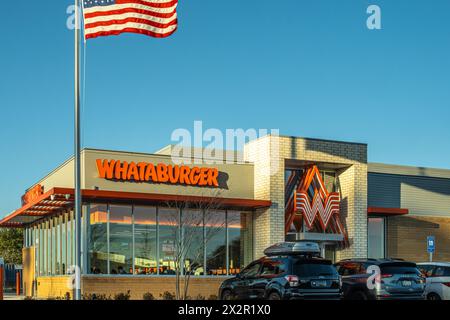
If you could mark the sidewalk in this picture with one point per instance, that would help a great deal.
(12, 297)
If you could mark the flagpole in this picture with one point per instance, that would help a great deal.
(77, 156)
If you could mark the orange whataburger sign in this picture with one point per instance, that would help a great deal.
(160, 173)
(32, 194)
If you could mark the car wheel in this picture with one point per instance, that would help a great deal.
(226, 295)
(358, 295)
(274, 296)
(433, 296)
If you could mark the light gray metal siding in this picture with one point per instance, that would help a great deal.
(429, 196)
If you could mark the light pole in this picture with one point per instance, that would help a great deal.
(77, 160)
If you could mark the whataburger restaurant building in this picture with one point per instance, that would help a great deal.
(138, 208)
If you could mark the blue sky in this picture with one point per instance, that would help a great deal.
(309, 68)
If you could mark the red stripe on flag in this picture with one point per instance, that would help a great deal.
(131, 19)
(129, 10)
(149, 4)
(130, 30)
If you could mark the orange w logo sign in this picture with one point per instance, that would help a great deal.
(311, 202)
(320, 208)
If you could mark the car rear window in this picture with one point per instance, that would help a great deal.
(442, 272)
(399, 268)
(313, 269)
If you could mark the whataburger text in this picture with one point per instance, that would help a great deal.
(160, 173)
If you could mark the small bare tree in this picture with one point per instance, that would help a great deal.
(194, 222)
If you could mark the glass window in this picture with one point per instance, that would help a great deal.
(192, 240)
(273, 267)
(375, 229)
(426, 270)
(25, 237)
(251, 271)
(215, 238)
(98, 242)
(69, 241)
(145, 233)
(157, 235)
(329, 179)
(72, 215)
(41, 244)
(53, 246)
(240, 238)
(313, 269)
(45, 255)
(64, 245)
(399, 268)
(349, 268)
(120, 240)
(58, 245)
(442, 272)
(48, 248)
(168, 219)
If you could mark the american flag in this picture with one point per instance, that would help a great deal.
(155, 18)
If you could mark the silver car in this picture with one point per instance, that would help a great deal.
(437, 276)
(397, 279)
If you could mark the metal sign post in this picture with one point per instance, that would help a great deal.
(2, 262)
(431, 246)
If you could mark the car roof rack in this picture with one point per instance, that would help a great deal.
(299, 248)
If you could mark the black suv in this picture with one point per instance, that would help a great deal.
(397, 279)
(284, 276)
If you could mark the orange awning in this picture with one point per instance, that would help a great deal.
(386, 211)
(59, 199)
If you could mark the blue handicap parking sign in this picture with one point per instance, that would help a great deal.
(431, 244)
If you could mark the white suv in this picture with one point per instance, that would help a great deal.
(438, 279)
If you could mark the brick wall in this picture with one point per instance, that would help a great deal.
(57, 287)
(406, 237)
(352, 185)
(138, 286)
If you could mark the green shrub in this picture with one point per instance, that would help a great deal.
(167, 296)
(123, 296)
(94, 296)
(148, 296)
(65, 297)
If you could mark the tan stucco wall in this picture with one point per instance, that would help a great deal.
(53, 287)
(240, 182)
(28, 262)
(60, 177)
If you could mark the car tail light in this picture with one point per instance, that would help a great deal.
(446, 284)
(292, 280)
(383, 276)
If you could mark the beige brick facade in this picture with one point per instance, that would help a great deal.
(269, 155)
(58, 287)
(406, 237)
